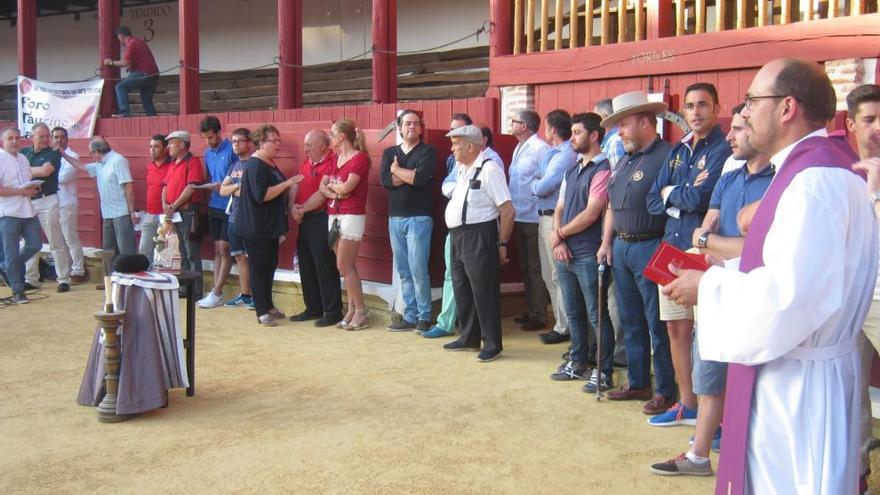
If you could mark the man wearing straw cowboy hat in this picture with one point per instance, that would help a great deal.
(630, 237)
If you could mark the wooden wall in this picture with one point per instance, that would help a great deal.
(131, 136)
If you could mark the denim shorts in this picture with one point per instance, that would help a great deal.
(709, 377)
(236, 243)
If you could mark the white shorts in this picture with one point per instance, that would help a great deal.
(351, 227)
(671, 310)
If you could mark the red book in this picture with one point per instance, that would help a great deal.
(657, 270)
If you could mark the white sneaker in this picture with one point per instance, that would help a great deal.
(210, 301)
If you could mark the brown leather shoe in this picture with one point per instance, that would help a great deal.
(657, 405)
(626, 393)
(79, 279)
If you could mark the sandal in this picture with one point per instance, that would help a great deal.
(346, 320)
(359, 322)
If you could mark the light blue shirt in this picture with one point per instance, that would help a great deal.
(612, 146)
(551, 171)
(523, 172)
(111, 173)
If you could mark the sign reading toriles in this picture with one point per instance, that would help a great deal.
(73, 106)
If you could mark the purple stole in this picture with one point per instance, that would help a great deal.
(811, 152)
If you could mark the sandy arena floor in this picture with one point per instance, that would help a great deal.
(297, 409)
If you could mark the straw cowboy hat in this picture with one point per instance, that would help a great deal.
(631, 103)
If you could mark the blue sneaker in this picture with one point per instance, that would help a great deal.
(239, 300)
(716, 441)
(436, 332)
(674, 416)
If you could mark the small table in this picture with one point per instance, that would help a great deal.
(187, 279)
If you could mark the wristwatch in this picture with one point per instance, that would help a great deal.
(703, 240)
(875, 196)
(502, 243)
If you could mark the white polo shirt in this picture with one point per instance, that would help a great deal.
(67, 181)
(483, 203)
(15, 171)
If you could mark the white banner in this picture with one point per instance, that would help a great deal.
(73, 106)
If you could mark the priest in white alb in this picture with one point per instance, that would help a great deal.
(787, 314)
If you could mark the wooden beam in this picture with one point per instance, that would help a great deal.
(679, 18)
(588, 23)
(500, 36)
(741, 14)
(722, 51)
(573, 20)
(762, 12)
(108, 47)
(517, 26)
(807, 9)
(530, 26)
(858, 7)
(26, 36)
(545, 25)
(622, 10)
(385, 46)
(290, 73)
(833, 9)
(640, 20)
(720, 15)
(557, 26)
(188, 36)
(785, 12)
(605, 23)
(700, 6)
(660, 23)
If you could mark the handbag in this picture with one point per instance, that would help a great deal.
(199, 225)
(333, 234)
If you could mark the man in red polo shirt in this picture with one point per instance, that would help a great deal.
(156, 171)
(143, 73)
(322, 293)
(178, 196)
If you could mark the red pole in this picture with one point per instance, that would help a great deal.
(108, 47)
(26, 31)
(501, 29)
(290, 89)
(188, 36)
(660, 22)
(385, 51)
(500, 35)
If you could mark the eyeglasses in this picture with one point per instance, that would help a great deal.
(238, 141)
(702, 105)
(517, 121)
(751, 99)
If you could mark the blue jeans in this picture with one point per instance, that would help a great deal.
(644, 334)
(411, 246)
(11, 230)
(579, 281)
(146, 85)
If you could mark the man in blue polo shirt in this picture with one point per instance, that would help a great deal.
(682, 192)
(720, 237)
(219, 158)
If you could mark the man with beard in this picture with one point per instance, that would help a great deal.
(407, 172)
(575, 238)
(156, 171)
(630, 237)
(796, 302)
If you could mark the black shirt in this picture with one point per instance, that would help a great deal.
(255, 218)
(410, 200)
(629, 188)
(50, 184)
